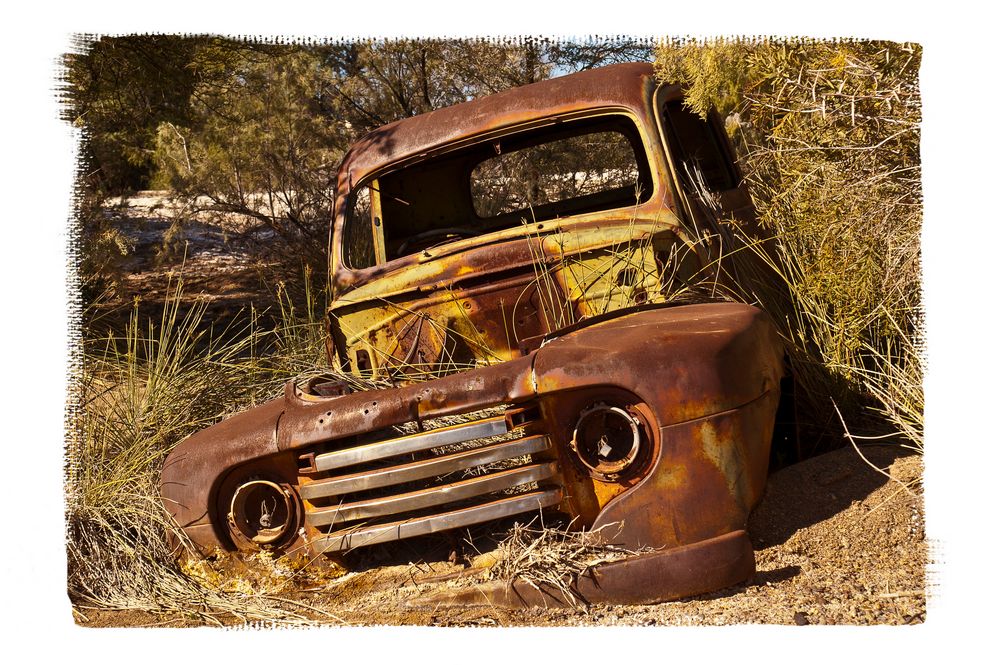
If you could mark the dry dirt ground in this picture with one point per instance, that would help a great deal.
(217, 258)
(837, 542)
(839, 539)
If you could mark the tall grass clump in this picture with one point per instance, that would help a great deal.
(300, 331)
(828, 136)
(138, 394)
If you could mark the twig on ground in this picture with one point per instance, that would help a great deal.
(847, 435)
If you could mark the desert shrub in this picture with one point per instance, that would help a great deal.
(136, 395)
(828, 135)
(102, 249)
(259, 146)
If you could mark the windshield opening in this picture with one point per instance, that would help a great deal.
(566, 168)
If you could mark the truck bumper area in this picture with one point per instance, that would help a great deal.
(681, 572)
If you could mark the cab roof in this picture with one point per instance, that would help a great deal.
(626, 85)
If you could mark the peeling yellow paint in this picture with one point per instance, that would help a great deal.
(722, 451)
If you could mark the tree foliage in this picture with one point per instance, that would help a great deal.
(259, 144)
(257, 129)
(119, 90)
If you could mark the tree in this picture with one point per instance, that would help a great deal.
(257, 129)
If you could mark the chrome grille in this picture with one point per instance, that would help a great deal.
(429, 481)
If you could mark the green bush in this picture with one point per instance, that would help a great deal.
(828, 135)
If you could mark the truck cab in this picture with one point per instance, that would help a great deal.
(464, 236)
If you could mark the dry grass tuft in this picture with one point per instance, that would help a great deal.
(137, 395)
(553, 557)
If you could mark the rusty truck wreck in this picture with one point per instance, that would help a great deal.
(517, 267)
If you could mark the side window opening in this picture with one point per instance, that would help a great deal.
(359, 239)
(699, 147)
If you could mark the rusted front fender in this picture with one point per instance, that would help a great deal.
(193, 469)
(709, 375)
(676, 455)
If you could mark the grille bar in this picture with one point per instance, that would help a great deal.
(371, 535)
(437, 466)
(434, 496)
(412, 443)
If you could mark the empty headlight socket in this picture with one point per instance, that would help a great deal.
(610, 441)
(263, 513)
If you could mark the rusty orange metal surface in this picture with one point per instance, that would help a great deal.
(714, 563)
(701, 381)
(547, 365)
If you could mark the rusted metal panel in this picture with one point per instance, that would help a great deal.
(699, 467)
(313, 420)
(194, 466)
(709, 474)
(481, 305)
